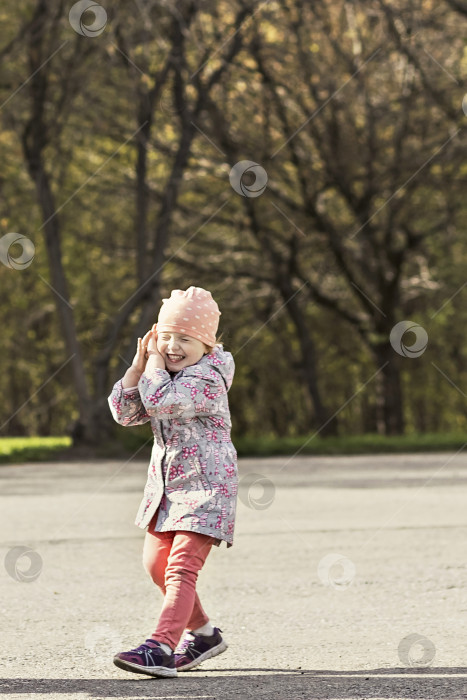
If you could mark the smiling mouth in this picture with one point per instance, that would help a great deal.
(175, 358)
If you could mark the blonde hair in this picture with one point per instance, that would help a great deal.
(210, 348)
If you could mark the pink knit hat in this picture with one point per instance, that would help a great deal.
(193, 312)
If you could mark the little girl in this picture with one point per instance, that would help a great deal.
(179, 381)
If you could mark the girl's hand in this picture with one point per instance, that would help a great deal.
(152, 344)
(140, 359)
(157, 361)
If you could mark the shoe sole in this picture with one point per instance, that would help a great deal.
(160, 671)
(207, 655)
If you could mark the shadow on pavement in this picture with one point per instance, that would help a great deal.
(446, 683)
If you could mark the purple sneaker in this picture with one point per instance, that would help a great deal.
(196, 648)
(148, 658)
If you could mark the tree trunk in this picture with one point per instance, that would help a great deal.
(389, 406)
(326, 423)
(34, 140)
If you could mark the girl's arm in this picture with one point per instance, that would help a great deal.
(124, 401)
(126, 405)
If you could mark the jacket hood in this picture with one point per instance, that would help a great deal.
(222, 361)
(219, 360)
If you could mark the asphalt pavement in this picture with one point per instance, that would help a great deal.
(347, 579)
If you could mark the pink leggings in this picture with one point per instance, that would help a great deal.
(173, 560)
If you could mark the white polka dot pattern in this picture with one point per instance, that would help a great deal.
(181, 314)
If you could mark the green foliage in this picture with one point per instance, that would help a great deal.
(249, 446)
(386, 129)
(31, 449)
(137, 445)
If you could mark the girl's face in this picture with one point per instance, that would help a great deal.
(179, 350)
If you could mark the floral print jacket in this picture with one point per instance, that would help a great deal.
(192, 476)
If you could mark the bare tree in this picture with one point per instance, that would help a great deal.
(359, 166)
(42, 127)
